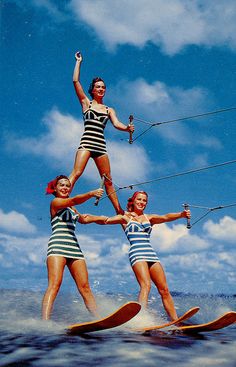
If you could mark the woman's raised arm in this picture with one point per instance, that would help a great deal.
(84, 101)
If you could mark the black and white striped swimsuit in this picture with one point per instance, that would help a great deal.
(138, 235)
(93, 136)
(63, 241)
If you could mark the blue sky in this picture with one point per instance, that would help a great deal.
(160, 60)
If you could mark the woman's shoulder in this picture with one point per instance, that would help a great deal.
(111, 110)
(73, 208)
(53, 202)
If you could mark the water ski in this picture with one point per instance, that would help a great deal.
(221, 322)
(119, 317)
(184, 317)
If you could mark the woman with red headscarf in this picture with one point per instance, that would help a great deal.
(63, 247)
(143, 259)
(92, 144)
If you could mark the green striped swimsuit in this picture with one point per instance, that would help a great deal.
(63, 241)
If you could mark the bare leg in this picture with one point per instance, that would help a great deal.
(78, 270)
(81, 160)
(158, 277)
(103, 165)
(141, 272)
(55, 265)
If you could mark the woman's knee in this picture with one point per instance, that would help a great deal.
(76, 173)
(55, 285)
(164, 291)
(108, 180)
(145, 286)
(84, 288)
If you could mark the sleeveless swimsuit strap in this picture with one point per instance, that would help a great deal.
(90, 106)
(145, 215)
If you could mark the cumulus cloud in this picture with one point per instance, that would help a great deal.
(57, 145)
(15, 222)
(176, 238)
(201, 262)
(170, 25)
(21, 251)
(224, 230)
(129, 164)
(51, 8)
(209, 142)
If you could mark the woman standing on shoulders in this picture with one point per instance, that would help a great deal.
(63, 247)
(143, 259)
(92, 144)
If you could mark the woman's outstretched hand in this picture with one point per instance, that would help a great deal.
(97, 193)
(130, 128)
(186, 214)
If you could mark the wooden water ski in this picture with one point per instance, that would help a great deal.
(221, 322)
(185, 316)
(119, 317)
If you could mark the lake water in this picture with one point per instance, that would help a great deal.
(25, 340)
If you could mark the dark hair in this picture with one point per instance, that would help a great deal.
(95, 80)
(60, 177)
(130, 205)
(50, 189)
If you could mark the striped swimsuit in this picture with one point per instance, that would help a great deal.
(63, 241)
(93, 136)
(138, 235)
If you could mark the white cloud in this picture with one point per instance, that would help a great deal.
(58, 144)
(202, 262)
(177, 238)
(209, 142)
(129, 163)
(21, 251)
(227, 258)
(225, 230)
(91, 248)
(51, 9)
(170, 25)
(15, 222)
(199, 160)
(103, 251)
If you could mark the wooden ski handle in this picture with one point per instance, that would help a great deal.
(131, 118)
(186, 207)
(101, 187)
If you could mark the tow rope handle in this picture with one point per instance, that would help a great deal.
(131, 118)
(101, 187)
(186, 207)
